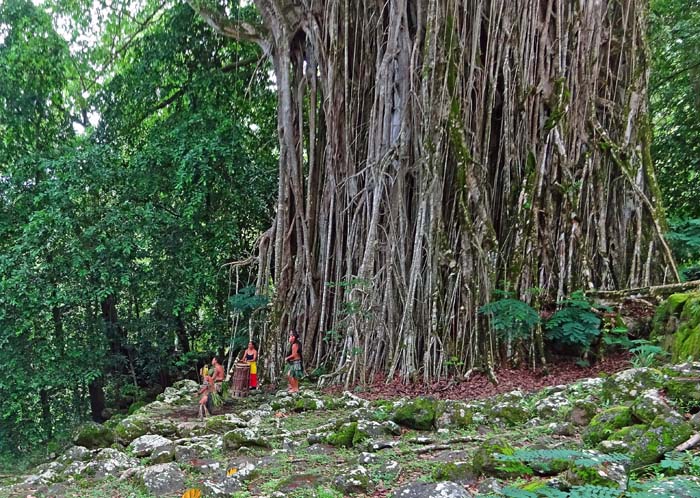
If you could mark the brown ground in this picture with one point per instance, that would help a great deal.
(478, 385)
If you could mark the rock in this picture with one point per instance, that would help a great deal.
(205, 465)
(553, 406)
(622, 440)
(676, 487)
(510, 409)
(607, 423)
(344, 436)
(75, 454)
(163, 479)
(454, 471)
(695, 421)
(610, 474)
(225, 487)
(649, 405)
(390, 469)
(350, 401)
(244, 437)
(432, 490)
(46, 474)
(380, 445)
(454, 415)
(367, 429)
(562, 429)
(676, 326)
(164, 454)
(130, 428)
(144, 445)
(364, 458)
(582, 412)
(683, 386)
(490, 486)
(220, 424)
(628, 384)
(110, 462)
(306, 404)
(418, 413)
(486, 461)
(180, 393)
(93, 435)
(662, 436)
(353, 481)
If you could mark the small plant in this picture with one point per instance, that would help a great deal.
(575, 324)
(646, 354)
(512, 319)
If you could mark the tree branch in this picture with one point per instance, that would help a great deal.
(236, 29)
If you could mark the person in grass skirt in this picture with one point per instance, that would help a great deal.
(294, 369)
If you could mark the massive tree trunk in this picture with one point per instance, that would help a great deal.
(434, 150)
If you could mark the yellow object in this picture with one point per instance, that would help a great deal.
(231, 471)
(253, 367)
(205, 372)
(192, 493)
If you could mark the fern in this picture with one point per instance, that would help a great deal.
(590, 491)
(579, 457)
(575, 324)
(511, 318)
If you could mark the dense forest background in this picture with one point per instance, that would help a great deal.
(138, 168)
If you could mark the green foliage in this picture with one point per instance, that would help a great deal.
(674, 39)
(579, 457)
(113, 237)
(575, 324)
(646, 354)
(511, 318)
(684, 238)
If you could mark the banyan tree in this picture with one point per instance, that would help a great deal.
(432, 151)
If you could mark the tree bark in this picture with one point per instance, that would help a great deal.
(432, 151)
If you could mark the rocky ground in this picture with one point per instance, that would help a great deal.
(603, 436)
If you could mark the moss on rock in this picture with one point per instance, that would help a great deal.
(93, 435)
(343, 436)
(453, 471)
(629, 384)
(664, 434)
(130, 428)
(607, 423)
(486, 460)
(419, 413)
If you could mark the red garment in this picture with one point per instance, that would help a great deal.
(253, 382)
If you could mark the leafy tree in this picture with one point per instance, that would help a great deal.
(675, 102)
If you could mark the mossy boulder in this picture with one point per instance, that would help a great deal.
(582, 412)
(487, 461)
(237, 438)
(453, 471)
(509, 409)
(307, 405)
(454, 415)
(343, 436)
(220, 424)
(585, 471)
(419, 413)
(629, 384)
(130, 428)
(662, 436)
(649, 405)
(607, 423)
(622, 440)
(666, 316)
(93, 435)
(677, 326)
(353, 481)
(553, 406)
